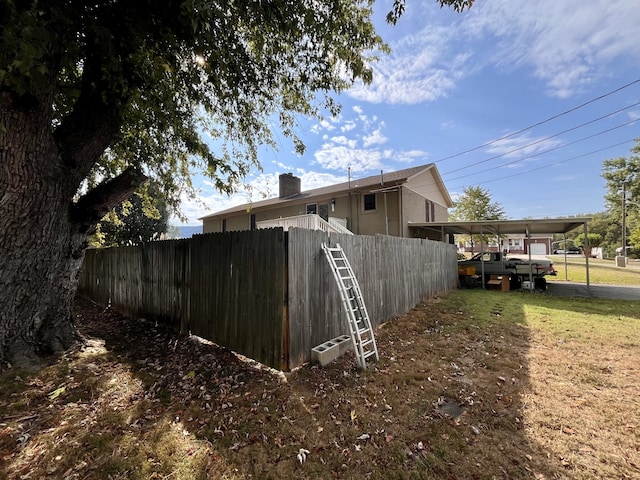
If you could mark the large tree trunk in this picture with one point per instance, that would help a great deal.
(43, 233)
(40, 254)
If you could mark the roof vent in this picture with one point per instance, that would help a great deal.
(289, 185)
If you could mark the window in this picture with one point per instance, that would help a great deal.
(369, 202)
(312, 208)
(429, 211)
(253, 221)
(224, 224)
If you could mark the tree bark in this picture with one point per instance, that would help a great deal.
(43, 233)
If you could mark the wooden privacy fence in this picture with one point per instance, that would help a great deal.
(266, 294)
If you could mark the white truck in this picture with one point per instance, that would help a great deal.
(488, 264)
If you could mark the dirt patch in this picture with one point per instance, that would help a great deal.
(454, 395)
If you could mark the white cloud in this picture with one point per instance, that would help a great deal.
(327, 125)
(348, 126)
(422, 67)
(375, 138)
(311, 180)
(568, 44)
(340, 158)
(408, 156)
(342, 140)
(520, 146)
(361, 149)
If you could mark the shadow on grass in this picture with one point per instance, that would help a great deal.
(448, 399)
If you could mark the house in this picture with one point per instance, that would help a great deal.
(380, 204)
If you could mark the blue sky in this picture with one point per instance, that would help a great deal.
(456, 83)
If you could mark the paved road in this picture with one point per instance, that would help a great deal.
(575, 289)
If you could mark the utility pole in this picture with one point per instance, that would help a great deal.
(624, 223)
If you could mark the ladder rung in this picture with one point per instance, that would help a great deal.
(363, 330)
(366, 342)
(368, 354)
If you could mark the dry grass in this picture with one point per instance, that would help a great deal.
(470, 386)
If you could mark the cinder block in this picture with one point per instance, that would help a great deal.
(325, 352)
(344, 343)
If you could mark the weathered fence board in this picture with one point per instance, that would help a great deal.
(266, 294)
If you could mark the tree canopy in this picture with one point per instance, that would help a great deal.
(475, 204)
(623, 178)
(144, 217)
(153, 79)
(594, 241)
(399, 8)
(96, 97)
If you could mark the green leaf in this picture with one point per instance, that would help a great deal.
(57, 392)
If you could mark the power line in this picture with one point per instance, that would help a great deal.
(543, 139)
(540, 122)
(559, 147)
(553, 164)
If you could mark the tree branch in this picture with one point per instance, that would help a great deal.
(95, 204)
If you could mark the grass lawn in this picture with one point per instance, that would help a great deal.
(472, 385)
(600, 271)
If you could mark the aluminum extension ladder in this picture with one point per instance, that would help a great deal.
(364, 343)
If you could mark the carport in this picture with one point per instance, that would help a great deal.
(444, 231)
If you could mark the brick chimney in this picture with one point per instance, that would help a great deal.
(289, 185)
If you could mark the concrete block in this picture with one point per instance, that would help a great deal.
(325, 353)
(344, 343)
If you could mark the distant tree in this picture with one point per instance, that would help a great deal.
(623, 174)
(608, 227)
(595, 240)
(142, 218)
(475, 204)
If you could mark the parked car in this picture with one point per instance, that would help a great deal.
(619, 250)
(570, 250)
